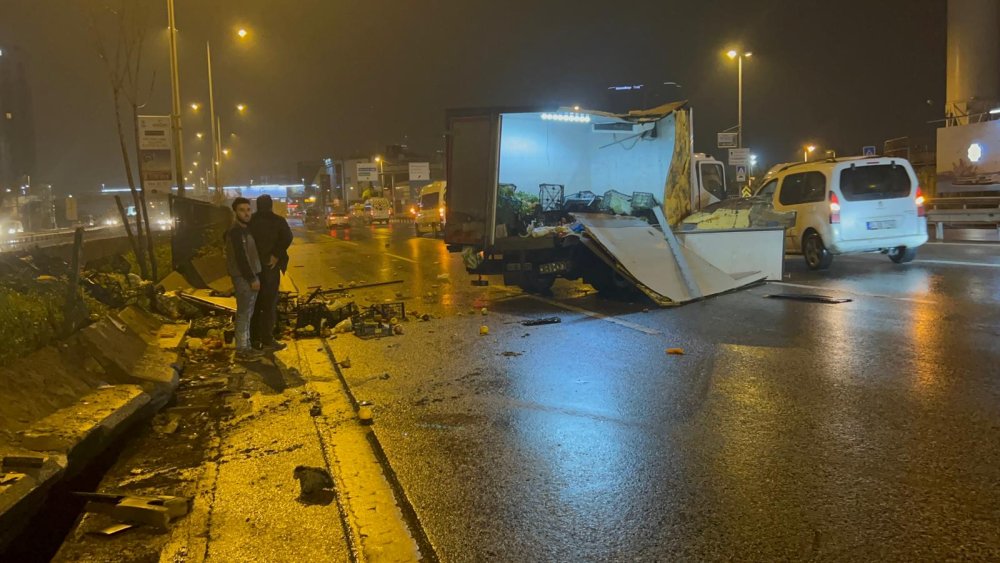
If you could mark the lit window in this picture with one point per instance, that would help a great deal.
(9, 115)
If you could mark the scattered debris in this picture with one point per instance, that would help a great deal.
(156, 511)
(365, 412)
(539, 322)
(510, 354)
(484, 311)
(484, 330)
(312, 480)
(346, 363)
(397, 330)
(675, 351)
(316, 410)
(112, 530)
(425, 317)
(166, 423)
(810, 297)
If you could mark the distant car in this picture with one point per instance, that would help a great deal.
(849, 205)
(338, 220)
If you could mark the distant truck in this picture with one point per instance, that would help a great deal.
(430, 215)
(514, 176)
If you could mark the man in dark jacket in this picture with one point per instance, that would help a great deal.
(244, 267)
(273, 237)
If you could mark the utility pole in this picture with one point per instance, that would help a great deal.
(215, 124)
(175, 91)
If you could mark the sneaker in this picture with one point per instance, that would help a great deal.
(249, 354)
(275, 346)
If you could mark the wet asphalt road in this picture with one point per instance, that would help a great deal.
(787, 430)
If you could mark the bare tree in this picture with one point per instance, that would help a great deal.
(122, 58)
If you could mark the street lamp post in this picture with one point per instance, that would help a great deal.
(806, 151)
(175, 94)
(734, 54)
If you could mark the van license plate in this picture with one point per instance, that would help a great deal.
(876, 225)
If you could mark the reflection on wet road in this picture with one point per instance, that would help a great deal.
(787, 430)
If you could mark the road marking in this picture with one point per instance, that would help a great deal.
(594, 315)
(946, 243)
(853, 292)
(398, 257)
(957, 263)
(350, 242)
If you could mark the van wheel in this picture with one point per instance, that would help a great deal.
(816, 254)
(902, 254)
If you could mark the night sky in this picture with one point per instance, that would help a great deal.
(343, 77)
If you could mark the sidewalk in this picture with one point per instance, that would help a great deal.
(251, 427)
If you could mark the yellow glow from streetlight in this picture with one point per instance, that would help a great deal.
(199, 135)
(225, 152)
(811, 148)
(242, 33)
(241, 107)
(378, 159)
(195, 106)
(747, 55)
(195, 164)
(732, 54)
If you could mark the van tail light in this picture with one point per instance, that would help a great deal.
(919, 200)
(834, 209)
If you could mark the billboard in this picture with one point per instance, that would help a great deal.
(155, 156)
(420, 171)
(968, 158)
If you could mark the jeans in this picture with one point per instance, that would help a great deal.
(245, 299)
(265, 311)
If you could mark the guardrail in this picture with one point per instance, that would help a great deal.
(51, 238)
(966, 211)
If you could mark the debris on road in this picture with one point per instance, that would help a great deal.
(346, 363)
(312, 480)
(484, 330)
(156, 511)
(544, 321)
(810, 297)
(675, 351)
(365, 412)
(510, 354)
(112, 530)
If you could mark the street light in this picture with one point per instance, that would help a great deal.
(241, 108)
(806, 151)
(199, 135)
(242, 33)
(734, 54)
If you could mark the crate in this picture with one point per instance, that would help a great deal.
(643, 200)
(374, 321)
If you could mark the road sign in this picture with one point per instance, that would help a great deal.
(739, 157)
(71, 209)
(727, 140)
(868, 150)
(741, 173)
(367, 172)
(420, 171)
(745, 192)
(155, 158)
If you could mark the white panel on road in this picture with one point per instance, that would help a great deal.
(643, 254)
(739, 251)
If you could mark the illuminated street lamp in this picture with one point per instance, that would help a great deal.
(242, 33)
(734, 54)
(241, 108)
(806, 151)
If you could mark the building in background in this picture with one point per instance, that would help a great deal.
(17, 130)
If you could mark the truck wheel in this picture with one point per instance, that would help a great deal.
(902, 254)
(538, 284)
(817, 256)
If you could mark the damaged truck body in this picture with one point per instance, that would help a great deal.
(536, 195)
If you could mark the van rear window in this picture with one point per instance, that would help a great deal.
(880, 181)
(430, 200)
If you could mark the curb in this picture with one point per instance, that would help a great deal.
(60, 445)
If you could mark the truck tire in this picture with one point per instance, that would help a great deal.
(902, 254)
(817, 256)
(538, 284)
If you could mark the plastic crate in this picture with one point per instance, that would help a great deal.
(375, 321)
(643, 200)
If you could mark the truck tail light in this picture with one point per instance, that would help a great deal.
(834, 209)
(919, 200)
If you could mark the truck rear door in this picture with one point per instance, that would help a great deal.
(472, 152)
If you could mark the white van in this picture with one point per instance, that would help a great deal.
(849, 205)
(430, 215)
(379, 210)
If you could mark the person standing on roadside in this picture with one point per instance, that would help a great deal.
(243, 265)
(273, 236)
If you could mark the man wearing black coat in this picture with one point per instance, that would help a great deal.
(273, 237)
